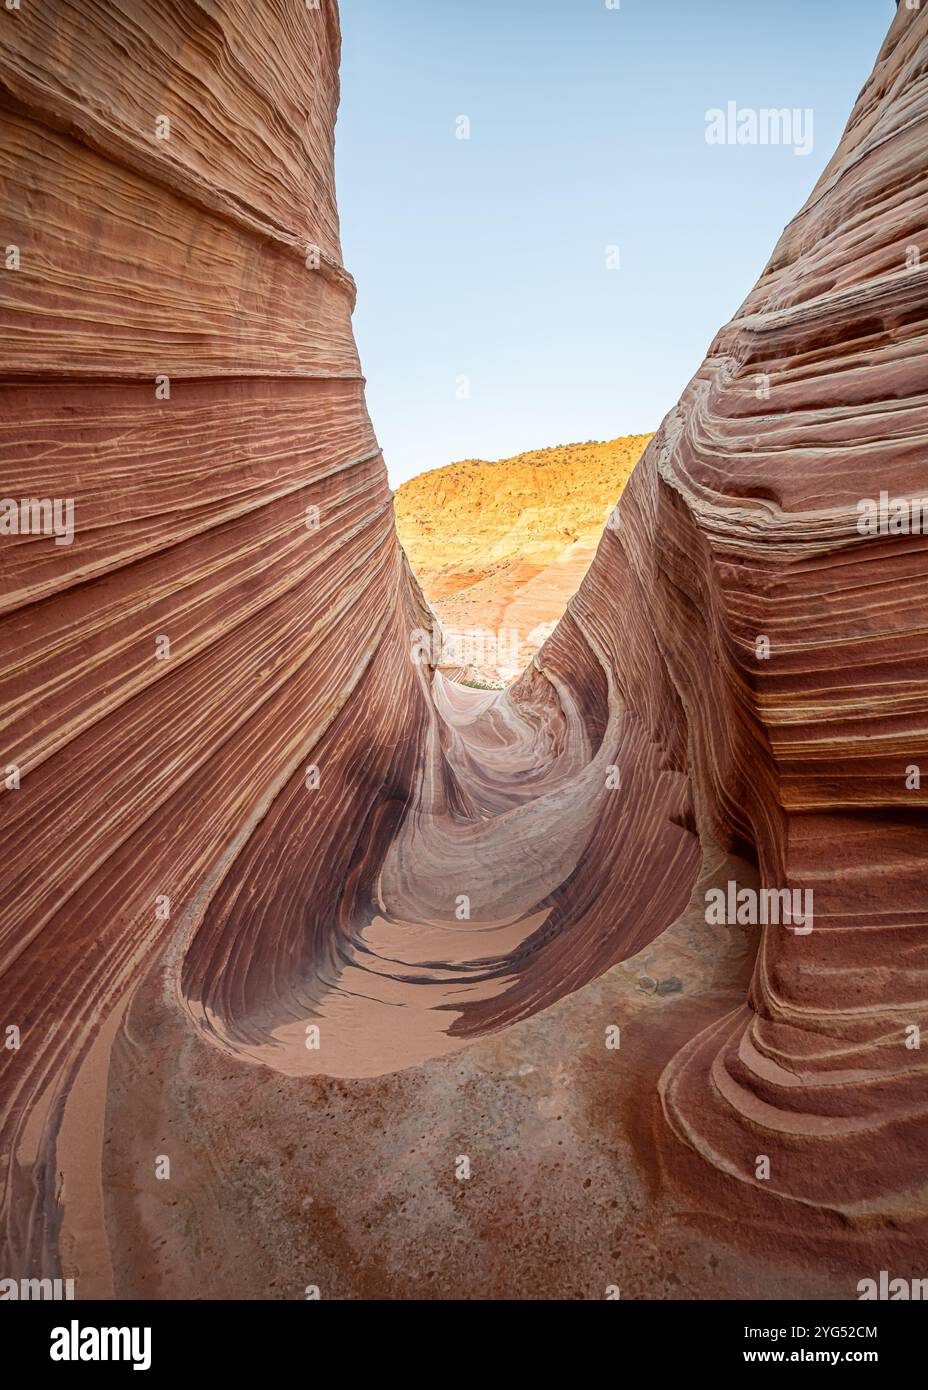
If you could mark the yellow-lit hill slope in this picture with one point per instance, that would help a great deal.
(499, 548)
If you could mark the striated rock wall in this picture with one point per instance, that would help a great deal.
(276, 821)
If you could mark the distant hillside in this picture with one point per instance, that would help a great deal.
(503, 546)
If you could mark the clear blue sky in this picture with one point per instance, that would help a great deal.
(486, 257)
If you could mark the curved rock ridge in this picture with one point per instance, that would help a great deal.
(245, 818)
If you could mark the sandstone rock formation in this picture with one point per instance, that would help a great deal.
(499, 548)
(285, 906)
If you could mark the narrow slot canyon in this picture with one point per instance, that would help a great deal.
(282, 900)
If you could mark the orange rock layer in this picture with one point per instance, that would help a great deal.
(242, 825)
(500, 548)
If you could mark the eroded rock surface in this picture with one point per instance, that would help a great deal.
(500, 548)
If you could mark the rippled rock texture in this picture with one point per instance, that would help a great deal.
(285, 907)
